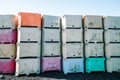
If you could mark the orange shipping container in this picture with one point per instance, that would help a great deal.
(29, 19)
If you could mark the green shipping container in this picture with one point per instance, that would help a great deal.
(95, 64)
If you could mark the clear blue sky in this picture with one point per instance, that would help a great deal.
(61, 7)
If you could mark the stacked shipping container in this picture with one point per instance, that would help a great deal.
(28, 45)
(51, 43)
(112, 43)
(71, 51)
(8, 39)
(94, 43)
(72, 44)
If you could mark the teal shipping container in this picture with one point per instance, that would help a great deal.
(95, 64)
(73, 65)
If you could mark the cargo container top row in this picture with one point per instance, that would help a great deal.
(28, 19)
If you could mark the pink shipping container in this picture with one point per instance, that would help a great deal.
(51, 64)
(7, 66)
(8, 36)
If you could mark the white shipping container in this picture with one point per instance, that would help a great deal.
(29, 34)
(112, 36)
(94, 50)
(51, 21)
(72, 35)
(93, 21)
(51, 49)
(51, 35)
(8, 21)
(7, 50)
(72, 21)
(112, 50)
(113, 65)
(27, 66)
(72, 50)
(93, 36)
(28, 50)
(112, 22)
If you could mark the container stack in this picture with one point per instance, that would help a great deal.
(94, 43)
(72, 44)
(112, 43)
(8, 39)
(28, 45)
(51, 43)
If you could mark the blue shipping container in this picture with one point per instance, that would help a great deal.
(73, 65)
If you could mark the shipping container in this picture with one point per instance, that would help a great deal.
(8, 21)
(27, 66)
(72, 21)
(93, 35)
(73, 65)
(112, 22)
(93, 21)
(27, 19)
(51, 64)
(94, 50)
(51, 35)
(29, 35)
(112, 50)
(7, 66)
(94, 64)
(72, 35)
(72, 50)
(28, 50)
(8, 36)
(112, 36)
(113, 65)
(51, 49)
(51, 21)
(8, 50)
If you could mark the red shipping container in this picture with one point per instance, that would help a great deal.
(7, 66)
(51, 64)
(27, 19)
(8, 36)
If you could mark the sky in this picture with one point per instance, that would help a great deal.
(62, 7)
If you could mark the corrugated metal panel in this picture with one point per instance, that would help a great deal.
(113, 65)
(7, 50)
(72, 35)
(8, 21)
(95, 64)
(112, 22)
(51, 35)
(51, 49)
(93, 21)
(72, 21)
(51, 64)
(93, 35)
(7, 66)
(51, 21)
(94, 50)
(112, 36)
(29, 34)
(8, 36)
(72, 50)
(28, 50)
(27, 66)
(29, 19)
(73, 65)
